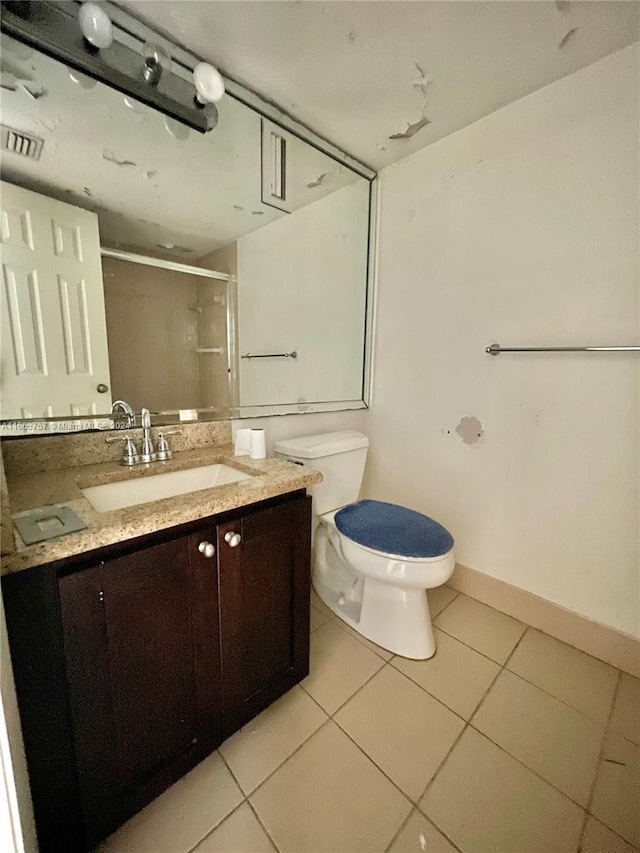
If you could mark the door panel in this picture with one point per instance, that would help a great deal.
(87, 665)
(151, 656)
(256, 581)
(54, 336)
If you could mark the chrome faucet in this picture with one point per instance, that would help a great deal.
(131, 456)
(126, 412)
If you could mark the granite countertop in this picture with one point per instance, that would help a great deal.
(271, 477)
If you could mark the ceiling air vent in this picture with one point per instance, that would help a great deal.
(21, 143)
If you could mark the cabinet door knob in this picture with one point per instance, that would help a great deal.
(234, 539)
(207, 549)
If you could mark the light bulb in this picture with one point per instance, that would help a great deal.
(95, 25)
(209, 84)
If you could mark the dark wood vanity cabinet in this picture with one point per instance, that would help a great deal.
(133, 663)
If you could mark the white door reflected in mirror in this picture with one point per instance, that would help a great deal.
(54, 335)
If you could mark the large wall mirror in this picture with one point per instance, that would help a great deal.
(148, 262)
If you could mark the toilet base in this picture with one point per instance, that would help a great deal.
(395, 618)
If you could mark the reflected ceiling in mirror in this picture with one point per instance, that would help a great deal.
(293, 276)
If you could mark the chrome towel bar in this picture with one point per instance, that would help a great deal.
(292, 354)
(496, 349)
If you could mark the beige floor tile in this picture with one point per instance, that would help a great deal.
(484, 800)
(419, 835)
(263, 744)
(339, 666)
(318, 618)
(481, 627)
(554, 740)
(598, 839)
(616, 794)
(580, 680)
(185, 813)
(440, 597)
(319, 604)
(385, 654)
(456, 675)
(406, 732)
(239, 833)
(626, 711)
(329, 798)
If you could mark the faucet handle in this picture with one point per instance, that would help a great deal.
(129, 454)
(163, 451)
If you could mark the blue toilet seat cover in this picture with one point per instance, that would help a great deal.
(393, 529)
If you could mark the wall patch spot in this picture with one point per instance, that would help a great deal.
(351, 35)
(470, 430)
(568, 36)
(563, 6)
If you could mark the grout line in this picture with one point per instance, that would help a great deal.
(448, 604)
(417, 811)
(296, 750)
(467, 723)
(266, 831)
(220, 822)
(477, 651)
(498, 674)
(233, 775)
(364, 684)
(599, 762)
(399, 830)
(377, 766)
(360, 638)
(530, 769)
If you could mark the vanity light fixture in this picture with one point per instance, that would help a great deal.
(116, 53)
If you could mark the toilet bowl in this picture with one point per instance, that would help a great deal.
(373, 561)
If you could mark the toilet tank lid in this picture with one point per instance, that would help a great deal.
(326, 444)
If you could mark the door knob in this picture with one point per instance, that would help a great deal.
(207, 549)
(234, 539)
(102, 388)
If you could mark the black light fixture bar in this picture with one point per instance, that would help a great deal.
(54, 29)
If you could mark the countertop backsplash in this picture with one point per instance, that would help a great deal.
(53, 453)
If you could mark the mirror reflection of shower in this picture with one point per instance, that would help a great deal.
(170, 331)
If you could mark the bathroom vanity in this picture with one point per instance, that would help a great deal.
(133, 661)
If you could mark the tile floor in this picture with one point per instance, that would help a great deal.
(506, 741)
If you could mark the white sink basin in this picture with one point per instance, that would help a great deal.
(131, 492)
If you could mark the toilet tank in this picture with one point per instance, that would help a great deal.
(340, 458)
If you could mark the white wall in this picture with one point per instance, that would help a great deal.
(301, 286)
(523, 229)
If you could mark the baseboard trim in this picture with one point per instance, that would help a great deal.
(608, 644)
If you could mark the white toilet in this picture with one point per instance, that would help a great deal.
(373, 561)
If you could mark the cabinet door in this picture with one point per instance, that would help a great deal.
(264, 604)
(131, 660)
